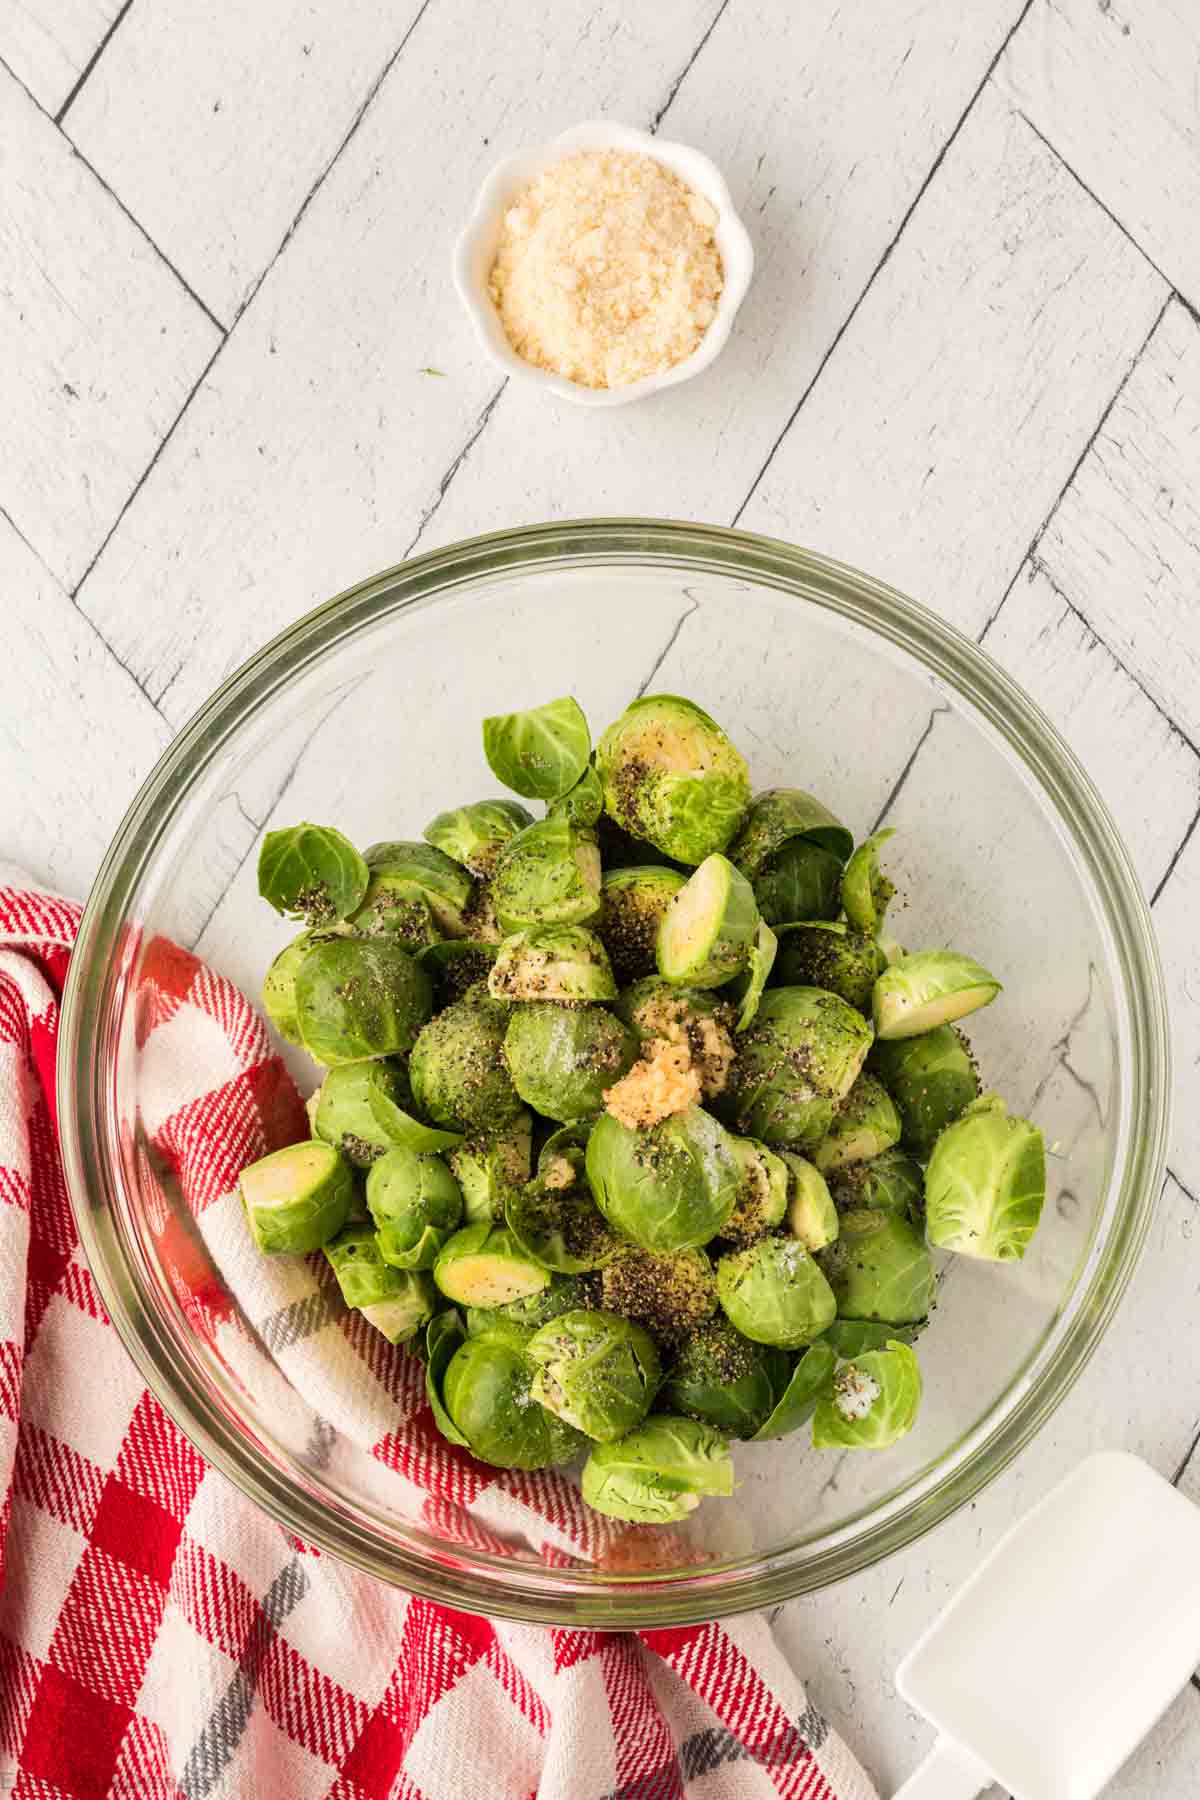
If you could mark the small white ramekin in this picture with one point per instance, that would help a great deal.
(475, 254)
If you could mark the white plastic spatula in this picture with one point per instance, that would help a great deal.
(1049, 1667)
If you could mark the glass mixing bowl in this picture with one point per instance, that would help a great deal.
(366, 713)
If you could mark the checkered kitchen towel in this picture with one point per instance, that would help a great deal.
(160, 1637)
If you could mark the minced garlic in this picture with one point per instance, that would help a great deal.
(607, 269)
(663, 1083)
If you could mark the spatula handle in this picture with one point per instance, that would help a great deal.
(948, 1773)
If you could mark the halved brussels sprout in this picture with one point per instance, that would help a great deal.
(483, 1265)
(986, 1184)
(659, 1473)
(880, 1268)
(669, 1187)
(932, 1079)
(552, 962)
(297, 1198)
(633, 902)
(797, 1060)
(708, 928)
(774, 1293)
(455, 965)
(722, 1379)
(581, 805)
(671, 776)
(825, 954)
(562, 1059)
(810, 1216)
(928, 989)
(359, 998)
(595, 1371)
(416, 1205)
(548, 875)
(457, 1069)
(892, 1182)
(402, 1314)
(486, 1391)
(362, 1274)
(865, 1125)
(669, 1294)
(475, 835)
(762, 1195)
(866, 890)
(560, 1227)
(403, 872)
(279, 987)
(791, 849)
(541, 753)
(852, 1338)
(311, 872)
(443, 1336)
(870, 1402)
(343, 1113)
(798, 1395)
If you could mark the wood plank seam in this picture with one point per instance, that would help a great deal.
(679, 80)
(1174, 862)
(90, 64)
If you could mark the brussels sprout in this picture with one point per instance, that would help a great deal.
(416, 1205)
(931, 1078)
(455, 965)
(552, 962)
(486, 1168)
(703, 1020)
(475, 835)
(798, 1396)
(852, 1338)
(487, 1392)
(633, 902)
(548, 875)
(359, 998)
(561, 1228)
(483, 1265)
(670, 1294)
(298, 1198)
(443, 1336)
(541, 753)
(986, 1184)
(672, 777)
(401, 1315)
(791, 850)
(659, 1473)
(870, 1402)
(798, 1059)
(581, 805)
(562, 1294)
(493, 1321)
(865, 1125)
(343, 1115)
(866, 891)
(774, 1293)
(880, 1268)
(403, 872)
(892, 1182)
(595, 1371)
(562, 1059)
(311, 872)
(930, 988)
(722, 1379)
(829, 955)
(279, 987)
(707, 929)
(480, 919)
(669, 1187)
(751, 983)
(458, 1073)
(362, 1274)
(762, 1194)
(810, 1216)
(801, 881)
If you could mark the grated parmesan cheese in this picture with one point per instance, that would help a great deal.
(607, 269)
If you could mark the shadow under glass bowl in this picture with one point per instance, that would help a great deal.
(366, 713)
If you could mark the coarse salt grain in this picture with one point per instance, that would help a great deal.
(607, 269)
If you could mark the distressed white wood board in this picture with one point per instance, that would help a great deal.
(47, 43)
(849, 112)
(1124, 545)
(1139, 1393)
(71, 713)
(310, 452)
(949, 417)
(213, 136)
(1112, 84)
(99, 344)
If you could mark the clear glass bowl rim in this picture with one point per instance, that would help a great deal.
(478, 1582)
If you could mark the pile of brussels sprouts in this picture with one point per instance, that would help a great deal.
(635, 1124)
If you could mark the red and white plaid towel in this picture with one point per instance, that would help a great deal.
(160, 1637)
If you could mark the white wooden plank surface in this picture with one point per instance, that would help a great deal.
(308, 456)
(949, 417)
(848, 115)
(99, 344)
(1124, 546)
(72, 715)
(1113, 85)
(213, 136)
(47, 43)
(1177, 918)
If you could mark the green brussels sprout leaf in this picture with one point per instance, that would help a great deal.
(762, 1194)
(762, 960)
(404, 874)
(487, 1392)
(475, 835)
(986, 1184)
(401, 1131)
(866, 891)
(549, 874)
(852, 1338)
(416, 1205)
(541, 753)
(563, 1059)
(892, 1182)
(870, 1402)
(582, 804)
(442, 1338)
(658, 1473)
(828, 954)
(809, 1376)
(311, 872)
